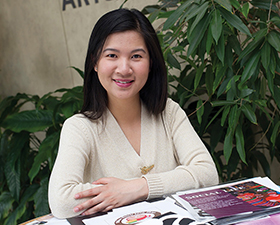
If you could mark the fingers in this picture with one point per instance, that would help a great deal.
(93, 206)
(104, 180)
(89, 204)
(98, 208)
(88, 193)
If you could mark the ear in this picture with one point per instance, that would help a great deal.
(95, 69)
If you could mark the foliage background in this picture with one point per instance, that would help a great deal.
(223, 64)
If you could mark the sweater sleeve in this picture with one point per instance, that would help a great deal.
(68, 173)
(196, 168)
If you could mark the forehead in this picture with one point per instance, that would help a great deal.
(125, 39)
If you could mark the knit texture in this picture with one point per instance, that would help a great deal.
(90, 150)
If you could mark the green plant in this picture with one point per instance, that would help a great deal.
(28, 147)
(224, 66)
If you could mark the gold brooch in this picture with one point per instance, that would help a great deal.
(145, 170)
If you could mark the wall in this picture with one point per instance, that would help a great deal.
(39, 40)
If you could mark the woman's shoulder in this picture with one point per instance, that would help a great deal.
(80, 119)
(77, 118)
(172, 106)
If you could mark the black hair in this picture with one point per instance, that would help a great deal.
(154, 92)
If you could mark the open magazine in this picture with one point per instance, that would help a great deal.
(232, 202)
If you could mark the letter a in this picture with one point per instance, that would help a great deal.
(65, 2)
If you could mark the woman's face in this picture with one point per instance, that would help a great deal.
(124, 65)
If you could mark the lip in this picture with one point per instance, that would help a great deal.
(123, 83)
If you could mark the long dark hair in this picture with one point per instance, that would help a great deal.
(154, 92)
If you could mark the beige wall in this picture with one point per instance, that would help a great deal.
(39, 41)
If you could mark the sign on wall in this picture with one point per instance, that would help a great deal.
(74, 3)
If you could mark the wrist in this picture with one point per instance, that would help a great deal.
(143, 189)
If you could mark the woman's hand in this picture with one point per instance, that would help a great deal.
(113, 193)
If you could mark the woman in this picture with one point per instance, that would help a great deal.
(130, 142)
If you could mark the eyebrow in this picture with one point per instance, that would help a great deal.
(133, 51)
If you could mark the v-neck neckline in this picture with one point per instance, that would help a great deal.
(120, 138)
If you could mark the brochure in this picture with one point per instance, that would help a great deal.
(237, 201)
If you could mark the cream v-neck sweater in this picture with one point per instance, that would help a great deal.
(90, 150)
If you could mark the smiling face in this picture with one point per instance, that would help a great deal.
(124, 65)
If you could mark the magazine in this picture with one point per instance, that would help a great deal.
(232, 202)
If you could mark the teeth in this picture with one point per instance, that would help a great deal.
(123, 82)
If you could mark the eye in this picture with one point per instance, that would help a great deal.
(112, 55)
(136, 56)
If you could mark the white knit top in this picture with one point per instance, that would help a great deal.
(90, 150)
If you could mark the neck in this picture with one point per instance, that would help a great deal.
(125, 111)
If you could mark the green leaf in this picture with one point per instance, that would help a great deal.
(45, 150)
(270, 81)
(222, 103)
(199, 16)
(70, 108)
(216, 135)
(235, 21)
(154, 14)
(176, 15)
(264, 5)
(250, 67)
(233, 117)
(121, 6)
(273, 38)
(276, 21)
(197, 10)
(249, 113)
(265, 55)
(214, 118)
(263, 87)
(228, 144)
(6, 202)
(245, 9)
(246, 92)
(200, 110)
(209, 78)
(224, 115)
(225, 4)
(220, 49)
(196, 36)
(80, 72)
(223, 87)
(240, 143)
(19, 211)
(198, 75)
(231, 86)
(32, 121)
(275, 133)
(12, 174)
(220, 74)
(235, 4)
(254, 45)
(173, 61)
(209, 42)
(264, 163)
(41, 199)
(276, 95)
(216, 25)
(234, 44)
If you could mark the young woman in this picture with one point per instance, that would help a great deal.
(129, 142)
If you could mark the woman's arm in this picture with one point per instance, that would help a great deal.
(113, 193)
(196, 168)
(69, 175)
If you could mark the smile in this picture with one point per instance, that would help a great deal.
(123, 82)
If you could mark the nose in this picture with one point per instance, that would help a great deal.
(124, 67)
